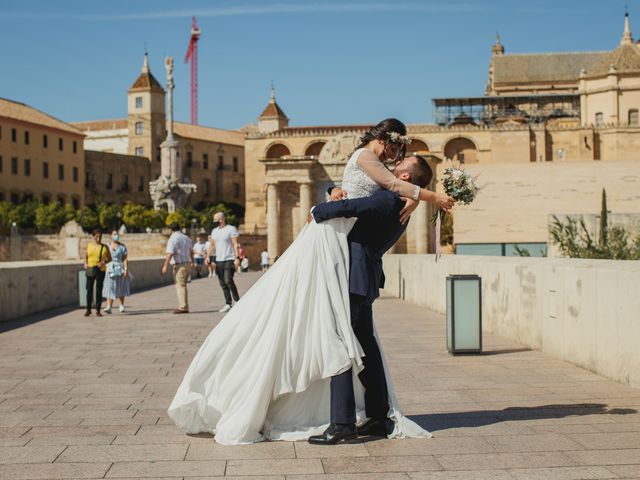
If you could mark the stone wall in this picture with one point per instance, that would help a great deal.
(32, 287)
(581, 311)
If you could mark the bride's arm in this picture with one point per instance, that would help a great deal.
(375, 169)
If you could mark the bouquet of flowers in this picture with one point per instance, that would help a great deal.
(459, 185)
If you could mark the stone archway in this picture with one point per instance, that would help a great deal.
(314, 148)
(277, 150)
(461, 149)
(417, 147)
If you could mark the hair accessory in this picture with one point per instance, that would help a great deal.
(397, 138)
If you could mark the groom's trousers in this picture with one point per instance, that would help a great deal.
(343, 406)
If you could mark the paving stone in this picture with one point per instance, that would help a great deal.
(380, 464)
(562, 473)
(462, 475)
(306, 450)
(505, 460)
(209, 450)
(38, 454)
(276, 467)
(122, 453)
(532, 443)
(161, 469)
(606, 457)
(53, 471)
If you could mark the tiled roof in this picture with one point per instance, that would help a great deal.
(116, 123)
(198, 132)
(146, 81)
(543, 67)
(623, 59)
(272, 110)
(25, 113)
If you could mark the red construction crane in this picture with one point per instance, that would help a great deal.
(192, 55)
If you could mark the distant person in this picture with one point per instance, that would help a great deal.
(117, 279)
(244, 264)
(264, 260)
(211, 264)
(199, 254)
(240, 256)
(224, 243)
(179, 253)
(96, 258)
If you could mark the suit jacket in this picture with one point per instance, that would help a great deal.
(377, 229)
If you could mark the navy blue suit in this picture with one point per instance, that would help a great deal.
(377, 229)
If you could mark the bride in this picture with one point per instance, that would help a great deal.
(264, 371)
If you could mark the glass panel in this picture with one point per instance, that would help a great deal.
(533, 249)
(492, 249)
(467, 314)
(449, 314)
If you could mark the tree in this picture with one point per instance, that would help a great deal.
(24, 214)
(88, 219)
(50, 218)
(110, 216)
(134, 217)
(604, 223)
(5, 215)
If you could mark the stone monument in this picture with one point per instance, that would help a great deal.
(167, 189)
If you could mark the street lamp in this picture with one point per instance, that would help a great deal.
(464, 314)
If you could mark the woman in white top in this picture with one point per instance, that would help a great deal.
(264, 371)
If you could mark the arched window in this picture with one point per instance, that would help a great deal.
(633, 117)
(417, 146)
(314, 149)
(278, 150)
(462, 150)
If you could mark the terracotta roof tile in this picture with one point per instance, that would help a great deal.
(116, 123)
(146, 81)
(198, 132)
(543, 67)
(25, 113)
(623, 59)
(272, 110)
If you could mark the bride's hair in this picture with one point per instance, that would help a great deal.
(382, 131)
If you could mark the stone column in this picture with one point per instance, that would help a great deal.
(273, 227)
(422, 228)
(305, 203)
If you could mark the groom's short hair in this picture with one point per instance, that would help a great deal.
(420, 171)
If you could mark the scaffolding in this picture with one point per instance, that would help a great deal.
(490, 110)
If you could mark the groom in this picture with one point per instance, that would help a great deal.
(377, 229)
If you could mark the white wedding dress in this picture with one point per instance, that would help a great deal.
(264, 371)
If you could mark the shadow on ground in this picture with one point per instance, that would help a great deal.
(444, 421)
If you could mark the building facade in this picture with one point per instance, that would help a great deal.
(578, 109)
(212, 158)
(41, 157)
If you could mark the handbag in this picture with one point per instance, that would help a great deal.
(116, 270)
(92, 272)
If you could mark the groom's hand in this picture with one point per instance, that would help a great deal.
(409, 206)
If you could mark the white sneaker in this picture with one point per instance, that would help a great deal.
(107, 310)
(121, 309)
(225, 309)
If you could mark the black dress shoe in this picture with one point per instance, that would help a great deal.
(376, 427)
(334, 434)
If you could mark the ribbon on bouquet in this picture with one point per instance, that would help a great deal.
(438, 229)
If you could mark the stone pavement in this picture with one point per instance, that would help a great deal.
(86, 398)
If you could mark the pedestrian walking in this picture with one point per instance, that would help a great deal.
(264, 260)
(117, 278)
(96, 258)
(179, 254)
(224, 244)
(199, 253)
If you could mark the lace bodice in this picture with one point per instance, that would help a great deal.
(355, 181)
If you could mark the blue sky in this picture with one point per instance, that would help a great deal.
(332, 62)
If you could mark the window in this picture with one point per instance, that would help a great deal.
(141, 184)
(1, 197)
(46, 199)
(75, 202)
(61, 199)
(60, 144)
(125, 182)
(138, 128)
(74, 174)
(207, 186)
(235, 164)
(599, 119)
(139, 151)
(87, 179)
(205, 161)
(189, 159)
(633, 116)
(460, 157)
(14, 166)
(109, 181)
(75, 147)
(45, 169)
(220, 162)
(45, 141)
(27, 167)
(26, 137)
(138, 102)
(60, 172)
(236, 190)
(15, 198)
(14, 137)
(1, 164)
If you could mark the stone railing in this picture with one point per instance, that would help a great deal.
(32, 287)
(585, 312)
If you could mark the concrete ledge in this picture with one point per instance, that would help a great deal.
(32, 287)
(586, 312)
